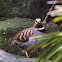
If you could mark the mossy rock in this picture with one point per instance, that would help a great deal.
(52, 27)
(8, 30)
(23, 8)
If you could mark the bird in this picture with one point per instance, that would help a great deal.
(22, 38)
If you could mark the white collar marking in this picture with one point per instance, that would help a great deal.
(39, 28)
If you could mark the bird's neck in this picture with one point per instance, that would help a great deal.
(41, 30)
(39, 27)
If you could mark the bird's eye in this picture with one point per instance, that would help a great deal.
(35, 20)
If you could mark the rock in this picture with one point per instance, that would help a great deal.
(23, 8)
(27, 59)
(7, 57)
(51, 27)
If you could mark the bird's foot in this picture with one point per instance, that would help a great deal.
(27, 55)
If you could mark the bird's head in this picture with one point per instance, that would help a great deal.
(38, 24)
(38, 21)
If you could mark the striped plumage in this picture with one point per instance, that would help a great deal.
(24, 35)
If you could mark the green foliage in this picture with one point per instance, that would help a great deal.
(51, 45)
(57, 19)
(60, 1)
(57, 12)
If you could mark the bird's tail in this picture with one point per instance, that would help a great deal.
(14, 42)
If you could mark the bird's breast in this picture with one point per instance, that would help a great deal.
(24, 35)
(38, 33)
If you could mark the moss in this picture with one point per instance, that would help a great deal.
(8, 30)
(23, 8)
(57, 19)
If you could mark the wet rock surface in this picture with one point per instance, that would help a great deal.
(27, 60)
(7, 57)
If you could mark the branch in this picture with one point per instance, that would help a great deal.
(49, 12)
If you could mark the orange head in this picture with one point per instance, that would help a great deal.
(38, 22)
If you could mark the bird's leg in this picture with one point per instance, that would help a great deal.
(27, 55)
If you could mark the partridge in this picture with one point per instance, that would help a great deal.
(23, 38)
